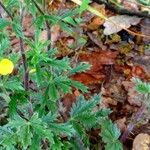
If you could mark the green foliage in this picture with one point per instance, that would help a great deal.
(110, 134)
(144, 89)
(33, 118)
(84, 5)
(141, 87)
(3, 23)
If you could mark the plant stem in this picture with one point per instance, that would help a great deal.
(21, 49)
(26, 73)
(1, 4)
(46, 22)
(24, 60)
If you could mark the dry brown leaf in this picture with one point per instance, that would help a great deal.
(97, 21)
(102, 57)
(55, 33)
(96, 60)
(121, 124)
(106, 101)
(88, 79)
(43, 35)
(115, 24)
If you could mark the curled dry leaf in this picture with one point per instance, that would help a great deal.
(141, 142)
(115, 24)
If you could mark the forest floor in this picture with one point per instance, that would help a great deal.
(114, 58)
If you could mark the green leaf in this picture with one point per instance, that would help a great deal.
(141, 87)
(114, 146)
(61, 64)
(110, 134)
(16, 27)
(62, 128)
(57, 144)
(84, 5)
(79, 86)
(5, 97)
(13, 85)
(66, 28)
(70, 21)
(39, 21)
(82, 67)
(40, 128)
(25, 135)
(49, 118)
(4, 44)
(12, 106)
(88, 120)
(38, 75)
(3, 23)
(82, 105)
(78, 128)
(53, 91)
(35, 142)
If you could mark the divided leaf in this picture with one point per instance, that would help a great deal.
(110, 134)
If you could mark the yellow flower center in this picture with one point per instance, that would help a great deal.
(6, 67)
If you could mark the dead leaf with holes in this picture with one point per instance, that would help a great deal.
(115, 24)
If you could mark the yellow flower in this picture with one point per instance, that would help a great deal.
(6, 67)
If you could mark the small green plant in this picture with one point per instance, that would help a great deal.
(144, 89)
(33, 80)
